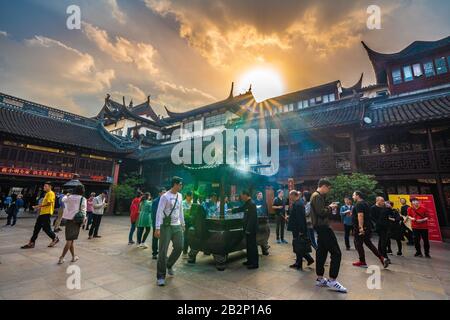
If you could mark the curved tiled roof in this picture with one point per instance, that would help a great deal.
(410, 109)
(416, 48)
(18, 121)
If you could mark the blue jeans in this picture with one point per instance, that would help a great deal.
(130, 236)
(89, 219)
(312, 237)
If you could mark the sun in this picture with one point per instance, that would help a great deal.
(266, 82)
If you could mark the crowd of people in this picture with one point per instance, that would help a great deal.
(306, 215)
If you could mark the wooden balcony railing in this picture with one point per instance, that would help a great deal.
(396, 163)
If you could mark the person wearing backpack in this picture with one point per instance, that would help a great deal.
(74, 215)
(169, 227)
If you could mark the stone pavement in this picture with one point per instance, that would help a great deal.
(111, 269)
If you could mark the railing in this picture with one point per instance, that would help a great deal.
(316, 164)
(396, 163)
(443, 159)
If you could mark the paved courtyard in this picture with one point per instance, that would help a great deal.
(111, 269)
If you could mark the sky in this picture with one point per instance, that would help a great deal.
(185, 54)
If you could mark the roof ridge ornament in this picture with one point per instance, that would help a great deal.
(231, 91)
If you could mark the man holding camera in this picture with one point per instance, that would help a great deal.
(169, 227)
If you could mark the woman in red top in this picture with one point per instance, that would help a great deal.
(419, 217)
(134, 215)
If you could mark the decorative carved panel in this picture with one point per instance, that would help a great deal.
(443, 160)
(405, 162)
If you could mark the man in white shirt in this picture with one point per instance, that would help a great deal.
(99, 206)
(169, 227)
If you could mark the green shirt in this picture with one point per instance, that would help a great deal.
(145, 214)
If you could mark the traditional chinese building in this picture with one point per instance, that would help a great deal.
(40, 143)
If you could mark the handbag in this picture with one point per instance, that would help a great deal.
(168, 219)
(79, 216)
(301, 245)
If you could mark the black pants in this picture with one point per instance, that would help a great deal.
(383, 242)
(280, 227)
(154, 243)
(327, 242)
(347, 230)
(299, 257)
(252, 250)
(42, 222)
(96, 220)
(360, 240)
(421, 234)
(186, 244)
(399, 245)
(12, 215)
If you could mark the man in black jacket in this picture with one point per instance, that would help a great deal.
(297, 225)
(250, 229)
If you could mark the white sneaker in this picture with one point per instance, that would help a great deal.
(322, 282)
(336, 286)
(143, 246)
(161, 282)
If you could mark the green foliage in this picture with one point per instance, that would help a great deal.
(345, 185)
(126, 190)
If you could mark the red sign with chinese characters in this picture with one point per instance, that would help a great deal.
(47, 174)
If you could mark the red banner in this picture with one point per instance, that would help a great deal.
(427, 201)
(49, 174)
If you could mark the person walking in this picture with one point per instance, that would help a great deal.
(169, 228)
(419, 216)
(155, 240)
(45, 209)
(134, 215)
(99, 206)
(263, 215)
(187, 204)
(346, 215)
(298, 226)
(144, 221)
(280, 215)
(326, 239)
(74, 204)
(363, 231)
(89, 211)
(250, 228)
(379, 215)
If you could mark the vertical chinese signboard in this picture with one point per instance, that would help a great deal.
(427, 201)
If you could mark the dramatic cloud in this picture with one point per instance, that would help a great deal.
(117, 14)
(223, 30)
(123, 50)
(47, 70)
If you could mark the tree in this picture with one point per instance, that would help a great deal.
(345, 185)
(126, 190)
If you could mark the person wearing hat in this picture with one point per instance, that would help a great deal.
(46, 209)
(99, 207)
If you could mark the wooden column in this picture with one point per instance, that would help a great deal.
(353, 151)
(438, 178)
